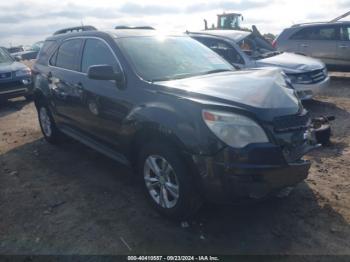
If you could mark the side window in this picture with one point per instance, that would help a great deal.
(97, 52)
(317, 33)
(302, 34)
(68, 54)
(223, 49)
(46, 51)
(325, 33)
(345, 33)
(53, 58)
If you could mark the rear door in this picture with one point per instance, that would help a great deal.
(63, 76)
(318, 41)
(344, 46)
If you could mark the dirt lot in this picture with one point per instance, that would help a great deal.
(69, 199)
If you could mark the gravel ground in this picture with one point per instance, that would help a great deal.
(69, 199)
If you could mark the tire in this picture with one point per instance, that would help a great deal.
(47, 124)
(180, 199)
(323, 135)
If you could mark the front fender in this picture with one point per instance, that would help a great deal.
(162, 119)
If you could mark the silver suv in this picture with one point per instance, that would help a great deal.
(248, 50)
(329, 42)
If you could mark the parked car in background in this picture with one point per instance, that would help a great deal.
(247, 50)
(15, 78)
(30, 53)
(329, 42)
(15, 49)
(192, 126)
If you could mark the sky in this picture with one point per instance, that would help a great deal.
(27, 21)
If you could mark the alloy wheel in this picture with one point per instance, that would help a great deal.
(161, 181)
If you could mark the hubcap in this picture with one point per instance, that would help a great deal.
(45, 121)
(161, 181)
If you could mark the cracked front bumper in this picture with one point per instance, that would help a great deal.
(252, 173)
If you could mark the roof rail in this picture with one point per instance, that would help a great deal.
(134, 27)
(310, 23)
(75, 29)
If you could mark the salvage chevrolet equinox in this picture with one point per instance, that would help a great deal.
(192, 127)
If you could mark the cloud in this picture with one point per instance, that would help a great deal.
(345, 4)
(137, 9)
(26, 21)
(227, 5)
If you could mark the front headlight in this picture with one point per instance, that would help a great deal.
(235, 130)
(300, 79)
(23, 72)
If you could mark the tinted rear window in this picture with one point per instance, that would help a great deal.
(68, 55)
(45, 52)
(317, 33)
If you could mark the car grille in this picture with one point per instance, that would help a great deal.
(5, 76)
(318, 75)
(312, 77)
(11, 84)
(291, 123)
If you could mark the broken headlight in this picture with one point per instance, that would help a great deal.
(300, 78)
(233, 129)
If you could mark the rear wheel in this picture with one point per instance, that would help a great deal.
(167, 181)
(47, 125)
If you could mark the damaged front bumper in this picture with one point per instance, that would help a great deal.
(251, 173)
(16, 88)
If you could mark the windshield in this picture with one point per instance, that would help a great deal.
(257, 47)
(5, 57)
(166, 58)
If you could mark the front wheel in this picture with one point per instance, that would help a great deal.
(47, 125)
(167, 181)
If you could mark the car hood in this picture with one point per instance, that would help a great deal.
(263, 92)
(291, 63)
(11, 67)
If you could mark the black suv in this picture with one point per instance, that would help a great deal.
(192, 126)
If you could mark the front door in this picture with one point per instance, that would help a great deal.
(63, 76)
(103, 105)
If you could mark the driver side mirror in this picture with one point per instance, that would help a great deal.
(105, 72)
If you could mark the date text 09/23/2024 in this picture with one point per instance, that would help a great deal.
(173, 258)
